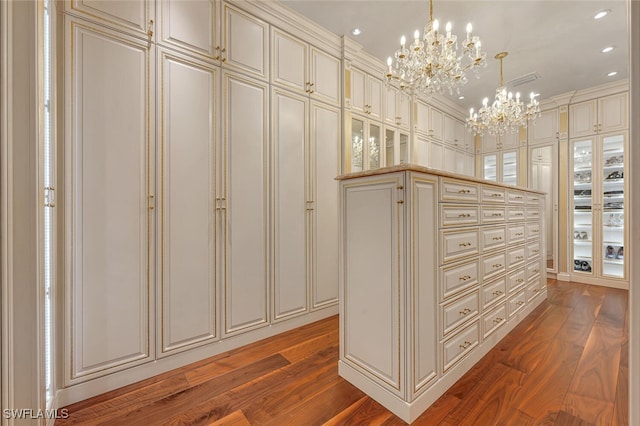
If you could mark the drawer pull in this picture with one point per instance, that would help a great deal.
(465, 311)
(497, 238)
(465, 345)
(464, 244)
(465, 278)
(497, 215)
(520, 303)
(464, 191)
(520, 214)
(519, 257)
(497, 292)
(535, 231)
(536, 251)
(535, 271)
(534, 213)
(536, 290)
(464, 215)
(498, 320)
(519, 234)
(519, 197)
(519, 280)
(496, 195)
(497, 265)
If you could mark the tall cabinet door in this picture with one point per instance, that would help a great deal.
(108, 216)
(290, 203)
(245, 201)
(187, 191)
(584, 168)
(325, 166)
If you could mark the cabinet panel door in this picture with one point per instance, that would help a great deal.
(404, 110)
(422, 118)
(246, 147)
(189, 25)
(357, 89)
(325, 150)
(246, 42)
(582, 119)
(108, 142)
(133, 16)
(289, 61)
(613, 113)
(290, 214)
(325, 77)
(545, 128)
(390, 105)
(436, 124)
(375, 97)
(436, 156)
(187, 221)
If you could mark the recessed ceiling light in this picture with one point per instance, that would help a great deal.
(601, 14)
(612, 73)
(608, 49)
(460, 97)
(356, 31)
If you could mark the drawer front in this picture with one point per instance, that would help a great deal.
(459, 311)
(534, 199)
(492, 195)
(494, 291)
(459, 244)
(515, 233)
(533, 250)
(515, 213)
(516, 303)
(516, 197)
(451, 215)
(451, 190)
(534, 288)
(459, 277)
(533, 269)
(515, 280)
(492, 214)
(493, 238)
(493, 265)
(533, 230)
(515, 257)
(532, 213)
(459, 345)
(494, 320)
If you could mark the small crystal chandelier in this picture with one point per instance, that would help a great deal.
(432, 64)
(506, 114)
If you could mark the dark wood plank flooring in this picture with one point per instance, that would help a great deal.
(565, 364)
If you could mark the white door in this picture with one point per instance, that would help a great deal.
(289, 61)
(245, 42)
(186, 198)
(108, 148)
(582, 119)
(613, 113)
(245, 201)
(290, 148)
(189, 25)
(545, 128)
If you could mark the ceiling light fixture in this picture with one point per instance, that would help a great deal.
(461, 97)
(608, 49)
(431, 63)
(601, 14)
(506, 114)
(356, 31)
(612, 73)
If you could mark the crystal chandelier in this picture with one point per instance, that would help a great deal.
(431, 63)
(506, 114)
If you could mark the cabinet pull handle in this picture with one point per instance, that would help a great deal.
(497, 265)
(217, 58)
(465, 345)
(497, 292)
(465, 311)
(224, 57)
(536, 290)
(150, 28)
(464, 191)
(464, 244)
(519, 280)
(519, 303)
(519, 257)
(498, 320)
(464, 278)
(497, 238)
(464, 215)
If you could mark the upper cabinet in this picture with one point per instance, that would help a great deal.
(602, 115)
(397, 110)
(245, 42)
(454, 133)
(365, 93)
(545, 129)
(134, 17)
(298, 66)
(429, 121)
(190, 25)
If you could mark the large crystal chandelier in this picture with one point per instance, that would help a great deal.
(506, 114)
(432, 62)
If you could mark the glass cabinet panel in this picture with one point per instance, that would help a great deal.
(374, 146)
(613, 206)
(357, 145)
(490, 167)
(404, 148)
(510, 168)
(582, 206)
(389, 136)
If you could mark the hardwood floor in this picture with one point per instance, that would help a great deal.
(565, 364)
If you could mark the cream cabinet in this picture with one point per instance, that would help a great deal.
(454, 133)
(186, 197)
(501, 167)
(429, 121)
(492, 143)
(366, 94)
(397, 110)
(546, 128)
(365, 147)
(298, 66)
(190, 26)
(602, 115)
(396, 145)
(133, 17)
(109, 201)
(413, 317)
(245, 42)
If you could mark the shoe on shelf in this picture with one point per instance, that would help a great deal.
(614, 175)
(620, 254)
(610, 253)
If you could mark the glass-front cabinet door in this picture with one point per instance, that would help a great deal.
(389, 144)
(374, 146)
(612, 191)
(490, 167)
(510, 168)
(583, 206)
(404, 148)
(357, 145)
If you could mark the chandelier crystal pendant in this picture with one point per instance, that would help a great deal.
(432, 63)
(506, 114)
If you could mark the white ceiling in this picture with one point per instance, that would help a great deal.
(559, 40)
